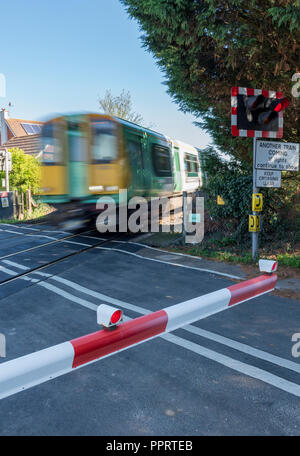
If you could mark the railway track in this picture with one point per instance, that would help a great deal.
(70, 238)
(64, 239)
(86, 248)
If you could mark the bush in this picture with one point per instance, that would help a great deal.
(232, 180)
(25, 172)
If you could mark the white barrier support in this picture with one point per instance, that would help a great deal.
(30, 370)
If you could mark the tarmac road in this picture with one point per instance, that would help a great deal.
(230, 374)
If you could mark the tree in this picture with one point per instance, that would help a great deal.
(25, 171)
(205, 47)
(234, 184)
(120, 106)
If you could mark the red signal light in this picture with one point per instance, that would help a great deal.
(284, 103)
(276, 106)
(116, 316)
(257, 112)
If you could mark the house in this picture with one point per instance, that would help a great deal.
(24, 134)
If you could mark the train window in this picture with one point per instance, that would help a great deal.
(104, 142)
(191, 165)
(161, 160)
(52, 148)
(76, 142)
(135, 154)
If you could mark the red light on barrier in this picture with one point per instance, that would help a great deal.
(109, 316)
(116, 316)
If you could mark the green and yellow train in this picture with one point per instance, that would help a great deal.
(86, 156)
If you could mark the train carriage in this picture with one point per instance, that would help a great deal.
(86, 156)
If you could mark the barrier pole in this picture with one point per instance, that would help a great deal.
(30, 370)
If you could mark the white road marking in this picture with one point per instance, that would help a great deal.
(100, 296)
(210, 271)
(7, 271)
(172, 264)
(17, 226)
(173, 253)
(13, 273)
(282, 362)
(55, 231)
(16, 265)
(164, 251)
(30, 235)
(257, 353)
(34, 229)
(130, 253)
(42, 245)
(78, 243)
(68, 296)
(245, 369)
(92, 237)
(27, 250)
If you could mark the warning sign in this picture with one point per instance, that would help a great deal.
(266, 178)
(4, 202)
(257, 202)
(279, 156)
(254, 223)
(220, 201)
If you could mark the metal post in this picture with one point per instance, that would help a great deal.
(184, 196)
(6, 171)
(28, 202)
(254, 190)
(15, 203)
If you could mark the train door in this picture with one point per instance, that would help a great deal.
(78, 166)
(54, 181)
(107, 173)
(177, 171)
(134, 148)
(162, 181)
(191, 165)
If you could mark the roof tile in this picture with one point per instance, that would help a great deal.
(15, 125)
(30, 144)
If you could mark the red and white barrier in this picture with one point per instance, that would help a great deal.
(30, 370)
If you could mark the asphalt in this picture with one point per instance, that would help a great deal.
(215, 377)
(288, 284)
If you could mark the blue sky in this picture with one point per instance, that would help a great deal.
(61, 55)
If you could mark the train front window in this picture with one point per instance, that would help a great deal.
(104, 141)
(52, 148)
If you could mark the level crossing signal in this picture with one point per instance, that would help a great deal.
(257, 113)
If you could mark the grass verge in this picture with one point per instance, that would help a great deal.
(37, 213)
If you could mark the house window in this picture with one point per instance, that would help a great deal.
(191, 165)
(161, 160)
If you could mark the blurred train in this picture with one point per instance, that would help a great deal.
(86, 156)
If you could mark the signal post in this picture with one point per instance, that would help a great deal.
(256, 113)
